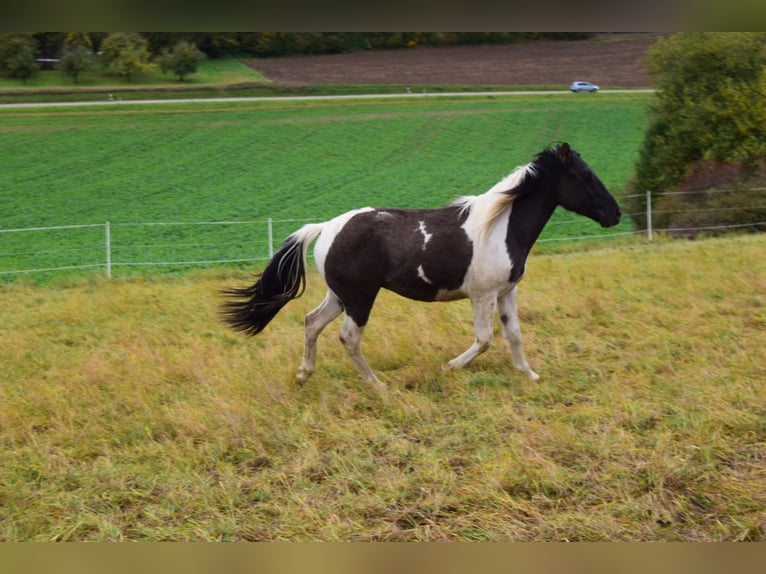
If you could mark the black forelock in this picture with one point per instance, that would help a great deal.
(548, 155)
(552, 158)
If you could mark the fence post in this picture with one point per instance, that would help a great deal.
(271, 239)
(108, 234)
(649, 215)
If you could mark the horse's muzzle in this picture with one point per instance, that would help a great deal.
(610, 218)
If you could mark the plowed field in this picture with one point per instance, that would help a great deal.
(606, 61)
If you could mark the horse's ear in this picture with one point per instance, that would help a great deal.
(564, 151)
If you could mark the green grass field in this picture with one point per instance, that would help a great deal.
(130, 413)
(212, 72)
(236, 161)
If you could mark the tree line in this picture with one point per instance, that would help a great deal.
(264, 44)
(129, 54)
(124, 54)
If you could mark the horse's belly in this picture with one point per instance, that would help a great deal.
(427, 281)
(425, 292)
(450, 295)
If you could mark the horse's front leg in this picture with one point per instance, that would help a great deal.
(351, 337)
(483, 313)
(512, 331)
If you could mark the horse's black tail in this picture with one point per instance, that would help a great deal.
(283, 280)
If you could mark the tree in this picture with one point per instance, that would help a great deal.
(126, 54)
(219, 44)
(709, 107)
(77, 60)
(78, 39)
(182, 60)
(709, 104)
(18, 56)
(48, 44)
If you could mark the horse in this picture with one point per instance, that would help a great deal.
(475, 248)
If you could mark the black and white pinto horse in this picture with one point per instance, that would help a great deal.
(476, 248)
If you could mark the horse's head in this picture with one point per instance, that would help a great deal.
(580, 190)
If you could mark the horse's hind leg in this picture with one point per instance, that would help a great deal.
(315, 322)
(512, 331)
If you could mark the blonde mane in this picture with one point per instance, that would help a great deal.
(484, 210)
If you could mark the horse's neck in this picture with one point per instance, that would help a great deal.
(528, 217)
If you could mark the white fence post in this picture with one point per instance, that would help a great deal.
(649, 215)
(271, 238)
(108, 250)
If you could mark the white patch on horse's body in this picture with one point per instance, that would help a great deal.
(426, 236)
(422, 275)
(491, 265)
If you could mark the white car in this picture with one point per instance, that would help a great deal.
(583, 87)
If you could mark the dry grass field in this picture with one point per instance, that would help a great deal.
(130, 413)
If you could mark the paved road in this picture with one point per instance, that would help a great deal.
(119, 102)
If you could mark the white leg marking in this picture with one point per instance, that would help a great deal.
(483, 313)
(351, 337)
(315, 321)
(422, 274)
(426, 236)
(512, 331)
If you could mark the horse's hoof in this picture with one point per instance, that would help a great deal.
(302, 376)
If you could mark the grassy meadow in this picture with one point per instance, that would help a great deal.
(210, 72)
(130, 413)
(296, 160)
